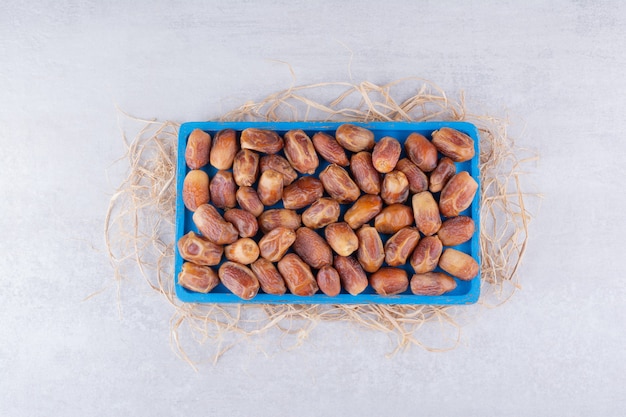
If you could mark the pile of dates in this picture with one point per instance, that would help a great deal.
(412, 203)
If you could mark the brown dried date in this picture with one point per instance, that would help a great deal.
(426, 255)
(297, 275)
(270, 279)
(270, 187)
(458, 194)
(371, 253)
(363, 210)
(279, 164)
(302, 193)
(244, 221)
(312, 248)
(223, 190)
(338, 184)
(245, 251)
(426, 213)
(321, 213)
(246, 167)
(199, 250)
(328, 147)
(393, 218)
(364, 173)
(271, 219)
(328, 280)
(196, 189)
(198, 149)
(442, 174)
(248, 199)
(454, 144)
(276, 243)
(432, 283)
(239, 279)
(351, 273)
(458, 264)
(456, 230)
(395, 188)
(341, 238)
(399, 247)
(354, 138)
(260, 140)
(197, 278)
(418, 181)
(224, 149)
(300, 152)
(386, 154)
(421, 152)
(213, 226)
(389, 281)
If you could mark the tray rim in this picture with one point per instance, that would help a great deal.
(186, 296)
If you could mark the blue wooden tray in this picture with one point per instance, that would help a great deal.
(466, 292)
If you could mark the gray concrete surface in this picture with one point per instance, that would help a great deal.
(556, 68)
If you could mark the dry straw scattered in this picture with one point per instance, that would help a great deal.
(139, 225)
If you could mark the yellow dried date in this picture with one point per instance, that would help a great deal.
(341, 238)
(339, 185)
(246, 167)
(312, 248)
(300, 152)
(302, 193)
(239, 279)
(458, 194)
(321, 213)
(198, 149)
(371, 253)
(269, 278)
(458, 264)
(270, 187)
(364, 173)
(213, 226)
(454, 144)
(328, 280)
(421, 152)
(442, 174)
(224, 149)
(279, 164)
(297, 275)
(248, 199)
(426, 255)
(199, 250)
(197, 278)
(276, 243)
(351, 273)
(426, 213)
(432, 283)
(271, 219)
(386, 154)
(196, 189)
(354, 138)
(399, 247)
(244, 221)
(395, 188)
(260, 140)
(245, 251)
(363, 210)
(328, 147)
(389, 281)
(418, 181)
(223, 190)
(456, 230)
(393, 218)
